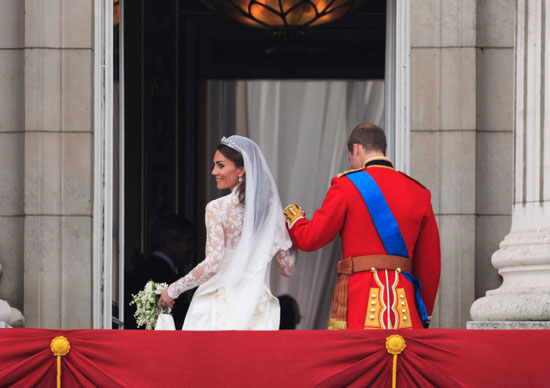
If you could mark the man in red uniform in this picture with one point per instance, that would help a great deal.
(389, 276)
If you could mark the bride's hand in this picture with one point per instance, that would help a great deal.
(165, 300)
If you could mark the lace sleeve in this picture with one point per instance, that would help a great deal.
(286, 259)
(214, 251)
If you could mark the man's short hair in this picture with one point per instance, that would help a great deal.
(370, 136)
(171, 226)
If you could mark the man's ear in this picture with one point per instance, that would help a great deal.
(355, 149)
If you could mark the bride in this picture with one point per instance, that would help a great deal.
(245, 230)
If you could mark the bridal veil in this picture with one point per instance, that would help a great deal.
(238, 296)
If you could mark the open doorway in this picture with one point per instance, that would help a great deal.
(302, 127)
(180, 57)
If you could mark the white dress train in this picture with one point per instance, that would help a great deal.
(212, 309)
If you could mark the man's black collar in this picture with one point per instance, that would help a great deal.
(379, 162)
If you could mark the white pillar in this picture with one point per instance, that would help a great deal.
(398, 82)
(523, 259)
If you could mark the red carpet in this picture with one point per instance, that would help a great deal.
(432, 358)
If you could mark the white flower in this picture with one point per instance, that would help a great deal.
(147, 311)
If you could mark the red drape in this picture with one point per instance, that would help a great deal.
(432, 358)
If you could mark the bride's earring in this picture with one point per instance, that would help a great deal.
(240, 179)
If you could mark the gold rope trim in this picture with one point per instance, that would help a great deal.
(395, 344)
(334, 324)
(59, 346)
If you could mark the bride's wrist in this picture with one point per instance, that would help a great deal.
(172, 293)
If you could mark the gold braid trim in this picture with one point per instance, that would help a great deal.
(344, 173)
(403, 310)
(372, 318)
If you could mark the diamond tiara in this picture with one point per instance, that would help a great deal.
(231, 144)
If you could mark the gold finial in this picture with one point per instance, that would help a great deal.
(395, 344)
(60, 346)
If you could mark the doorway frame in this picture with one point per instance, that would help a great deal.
(104, 175)
(397, 82)
(397, 126)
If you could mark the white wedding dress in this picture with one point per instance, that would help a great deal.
(234, 289)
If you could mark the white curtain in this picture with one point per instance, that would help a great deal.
(302, 127)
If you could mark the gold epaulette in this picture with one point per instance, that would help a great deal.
(292, 214)
(349, 172)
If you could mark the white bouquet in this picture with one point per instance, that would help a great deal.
(147, 311)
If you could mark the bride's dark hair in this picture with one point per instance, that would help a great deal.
(236, 157)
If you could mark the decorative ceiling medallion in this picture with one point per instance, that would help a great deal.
(285, 14)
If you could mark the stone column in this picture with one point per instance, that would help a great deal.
(523, 260)
(443, 141)
(12, 143)
(58, 162)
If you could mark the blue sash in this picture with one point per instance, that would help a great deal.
(383, 219)
(387, 228)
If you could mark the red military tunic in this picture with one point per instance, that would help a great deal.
(381, 298)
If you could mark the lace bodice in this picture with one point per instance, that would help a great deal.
(224, 220)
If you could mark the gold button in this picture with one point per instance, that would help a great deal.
(404, 311)
(403, 303)
(404, 318)
(372, 310)
(372, 317)
(373, 296)
(373, 303)
(373, 269)
(402, 296)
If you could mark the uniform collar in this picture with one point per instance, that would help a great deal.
(378, 161)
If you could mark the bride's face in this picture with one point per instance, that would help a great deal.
(225, 172)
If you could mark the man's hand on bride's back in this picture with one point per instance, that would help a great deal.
(165, 300)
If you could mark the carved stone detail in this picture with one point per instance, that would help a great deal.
(9, 316)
